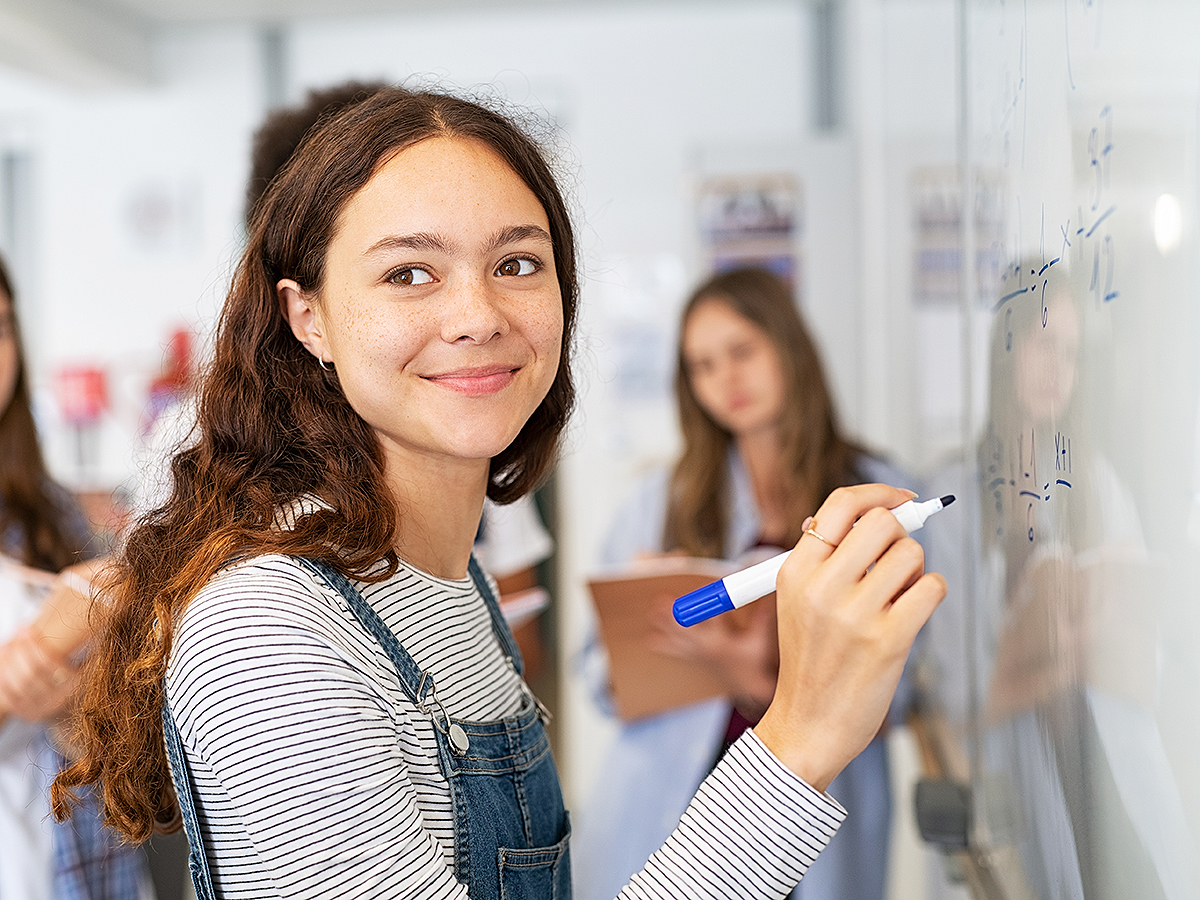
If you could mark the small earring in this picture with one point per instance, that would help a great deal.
(327, 366)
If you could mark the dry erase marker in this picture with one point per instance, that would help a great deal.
(757, 581)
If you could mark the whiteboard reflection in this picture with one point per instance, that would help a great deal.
(1076, 777)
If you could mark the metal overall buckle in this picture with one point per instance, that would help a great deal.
(459, 742)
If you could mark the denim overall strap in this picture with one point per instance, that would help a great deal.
(418, 686)
(185, 795)
(510, 827)
(503, 633)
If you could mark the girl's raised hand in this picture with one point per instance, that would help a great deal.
(849, 610)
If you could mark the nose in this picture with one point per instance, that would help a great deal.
(473, 313)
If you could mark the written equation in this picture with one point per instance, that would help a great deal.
(1088, 233)
(1021, 484)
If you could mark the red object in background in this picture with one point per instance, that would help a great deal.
(173, 381)
(82, 394)
(176, 375)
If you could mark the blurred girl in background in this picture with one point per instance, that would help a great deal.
(762, 449)
(42, 532)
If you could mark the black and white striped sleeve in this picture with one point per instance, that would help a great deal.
(752, 830)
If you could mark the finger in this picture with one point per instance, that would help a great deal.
(912, 609)
(27, 671)
(871, 537)
(37, 665)
(843, 508)
(20, 672)
(898, 569)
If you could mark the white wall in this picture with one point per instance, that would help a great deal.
(137, 203)
(903, 66)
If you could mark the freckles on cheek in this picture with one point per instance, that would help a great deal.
(550, 324)
(390, 343)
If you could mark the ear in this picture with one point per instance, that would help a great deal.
(302, 315)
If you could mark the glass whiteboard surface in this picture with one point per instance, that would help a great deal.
(1082, 725)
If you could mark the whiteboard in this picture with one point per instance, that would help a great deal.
(1078, 707)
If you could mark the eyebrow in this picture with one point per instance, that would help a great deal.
(518, 233)
(423, 240)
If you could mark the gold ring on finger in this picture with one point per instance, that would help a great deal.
(812, 529)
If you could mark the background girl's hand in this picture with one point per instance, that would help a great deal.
(39, 664)
(34, 685)
(847, 618)
(739, 648)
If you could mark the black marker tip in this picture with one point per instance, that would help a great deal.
(947, 500)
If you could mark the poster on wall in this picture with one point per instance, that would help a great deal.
(935, 197)
(752, 220)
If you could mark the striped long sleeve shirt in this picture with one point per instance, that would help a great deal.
(317, 777)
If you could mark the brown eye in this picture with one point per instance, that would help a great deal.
(517, 267)
(413, 275)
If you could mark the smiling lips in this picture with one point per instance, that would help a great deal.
(476, 381)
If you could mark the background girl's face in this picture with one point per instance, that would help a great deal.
(9, 357)
(441, 310)
(1045, 359)
(733, 368)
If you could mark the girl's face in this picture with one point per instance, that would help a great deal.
(733, 368)
(441, 309)
(9, 357)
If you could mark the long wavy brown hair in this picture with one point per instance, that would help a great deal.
(272, 427)
(817, 457)
(26, 506)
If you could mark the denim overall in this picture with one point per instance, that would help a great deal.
(510, 827)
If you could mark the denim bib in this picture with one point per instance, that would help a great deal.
(510, 826)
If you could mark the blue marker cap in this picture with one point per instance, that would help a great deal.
(702, 603)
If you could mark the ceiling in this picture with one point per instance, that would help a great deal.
(98, 43)
(182, 11)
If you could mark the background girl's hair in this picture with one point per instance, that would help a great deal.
(275, 427)
(282, 131)
(30, 513)
(817, 458)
